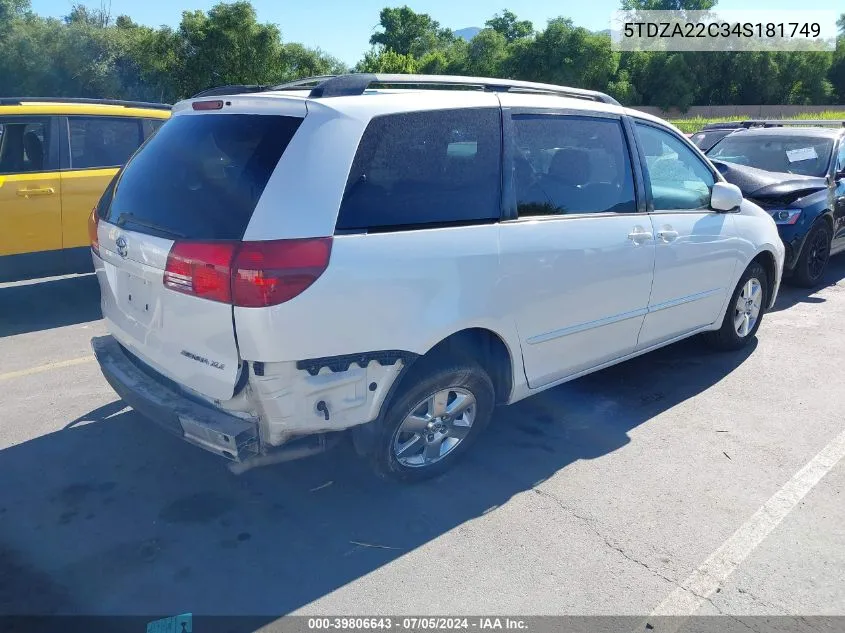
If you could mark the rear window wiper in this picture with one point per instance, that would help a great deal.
(125, 217)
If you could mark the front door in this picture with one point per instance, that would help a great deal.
(577, 261)
(30, 196)
(696, 248)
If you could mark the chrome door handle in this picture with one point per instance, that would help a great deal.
(639, 235)
(41, 191)
(667, 235)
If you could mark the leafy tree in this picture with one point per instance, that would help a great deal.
(668, 5)
(567, 55)
(227, 45)
(508, 25)
(802, 77)
(387, 61)
(753, 78)
(836, 75)
(487, 52)
(407, 32)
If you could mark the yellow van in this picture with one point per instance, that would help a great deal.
(56, 158)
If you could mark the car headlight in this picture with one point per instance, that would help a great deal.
(786, 216)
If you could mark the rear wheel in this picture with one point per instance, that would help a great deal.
(812, 262)
(433, 420)
(745, 310)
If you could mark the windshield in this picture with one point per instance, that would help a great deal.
(806, 155)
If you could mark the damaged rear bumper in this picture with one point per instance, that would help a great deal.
(214, 430)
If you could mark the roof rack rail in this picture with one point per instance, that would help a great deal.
(356, 83)
(114, 102)
(774, 123)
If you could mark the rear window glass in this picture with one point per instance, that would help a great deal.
(422, 168)
(102, 141)
(200, 176)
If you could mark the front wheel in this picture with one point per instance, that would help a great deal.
(812, 262)
(745, 310)
(433, 420)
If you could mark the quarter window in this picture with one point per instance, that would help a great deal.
(565, 165)
(678, 178)
(425, 168)
(102, 141)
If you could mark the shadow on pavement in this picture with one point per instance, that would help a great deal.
(41, 305)
(791, 295)
(113, 516)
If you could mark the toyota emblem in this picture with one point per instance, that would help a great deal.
(122, 248)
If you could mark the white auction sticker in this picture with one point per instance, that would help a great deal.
(805, 153)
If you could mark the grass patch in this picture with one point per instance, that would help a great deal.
(696, 123)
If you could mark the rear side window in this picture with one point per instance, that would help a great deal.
(102, 141)
(568, 164)
(200, 176)
(425, 168)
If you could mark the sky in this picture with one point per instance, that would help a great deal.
(343, 27)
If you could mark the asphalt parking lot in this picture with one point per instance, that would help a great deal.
(684, 482)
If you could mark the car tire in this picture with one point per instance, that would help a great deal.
(812, 263)
(742, 319)
(406, 450)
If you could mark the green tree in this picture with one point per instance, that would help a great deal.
(565, 54)
(836, 75)
(803, 77)
(486, 53)
(407, 32)
(227, 45)
(509, 26)
(387, 61)
(668, 5)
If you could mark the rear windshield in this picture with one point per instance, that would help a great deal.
(806, 155)
(199, 176)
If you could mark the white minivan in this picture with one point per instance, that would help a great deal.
(396, 255)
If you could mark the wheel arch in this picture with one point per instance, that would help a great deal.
(484, 346)
(767, 260)
(481, 344)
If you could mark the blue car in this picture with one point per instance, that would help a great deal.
(797, 174)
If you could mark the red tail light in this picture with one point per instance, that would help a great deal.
(93, 223)
(247, 274)
(200, 269)
(269, 273)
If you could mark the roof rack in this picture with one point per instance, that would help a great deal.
(357, 83)
(114, 102)
(774, 123)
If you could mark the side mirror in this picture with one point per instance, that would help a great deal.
(725, 197)
(839, 175)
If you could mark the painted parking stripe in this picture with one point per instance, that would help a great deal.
(703, 582)
(47, 367)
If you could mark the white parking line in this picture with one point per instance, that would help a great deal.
(703, 582)
(47, 367)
